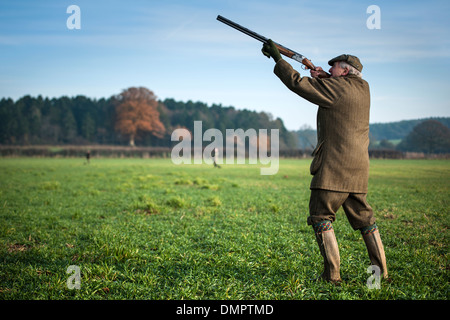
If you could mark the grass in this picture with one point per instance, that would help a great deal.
(148, 229)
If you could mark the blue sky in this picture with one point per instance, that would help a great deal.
(179, 50)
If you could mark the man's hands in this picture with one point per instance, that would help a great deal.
(319, 73)
(270, 50)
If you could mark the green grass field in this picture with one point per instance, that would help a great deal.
(148, 229)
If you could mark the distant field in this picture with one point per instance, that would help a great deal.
(148, 229)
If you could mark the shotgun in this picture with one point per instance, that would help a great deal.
(283, 50)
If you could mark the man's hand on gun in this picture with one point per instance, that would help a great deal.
(319, 73)
(270, 50)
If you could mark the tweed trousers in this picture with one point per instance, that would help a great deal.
(323, 205)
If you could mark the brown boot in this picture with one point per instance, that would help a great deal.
(330, 252)
(375, 249)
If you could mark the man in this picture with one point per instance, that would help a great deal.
(340, 167)
(216, 158)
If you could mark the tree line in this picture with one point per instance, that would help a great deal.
(134, 116)
(429, 136)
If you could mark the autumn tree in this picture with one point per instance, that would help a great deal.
(136, 111)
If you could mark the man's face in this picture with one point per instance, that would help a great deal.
(337, 71)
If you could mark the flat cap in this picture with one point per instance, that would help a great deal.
(351, 60)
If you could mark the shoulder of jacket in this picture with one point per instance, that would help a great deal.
(352, 77)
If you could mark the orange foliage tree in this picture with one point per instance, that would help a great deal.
(136, 110)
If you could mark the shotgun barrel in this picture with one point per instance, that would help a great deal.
(283, 50)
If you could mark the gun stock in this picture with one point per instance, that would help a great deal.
(283, 50)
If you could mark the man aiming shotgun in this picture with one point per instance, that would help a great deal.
(340, 167)
(283, 50)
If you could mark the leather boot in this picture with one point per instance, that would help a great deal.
(330, 252)
(375, 249)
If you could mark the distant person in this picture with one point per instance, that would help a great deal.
(216, 158)
(340, 167)
(88, 156)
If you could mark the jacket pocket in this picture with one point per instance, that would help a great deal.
(317, 161)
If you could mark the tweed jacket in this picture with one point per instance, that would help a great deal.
(341, 157)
